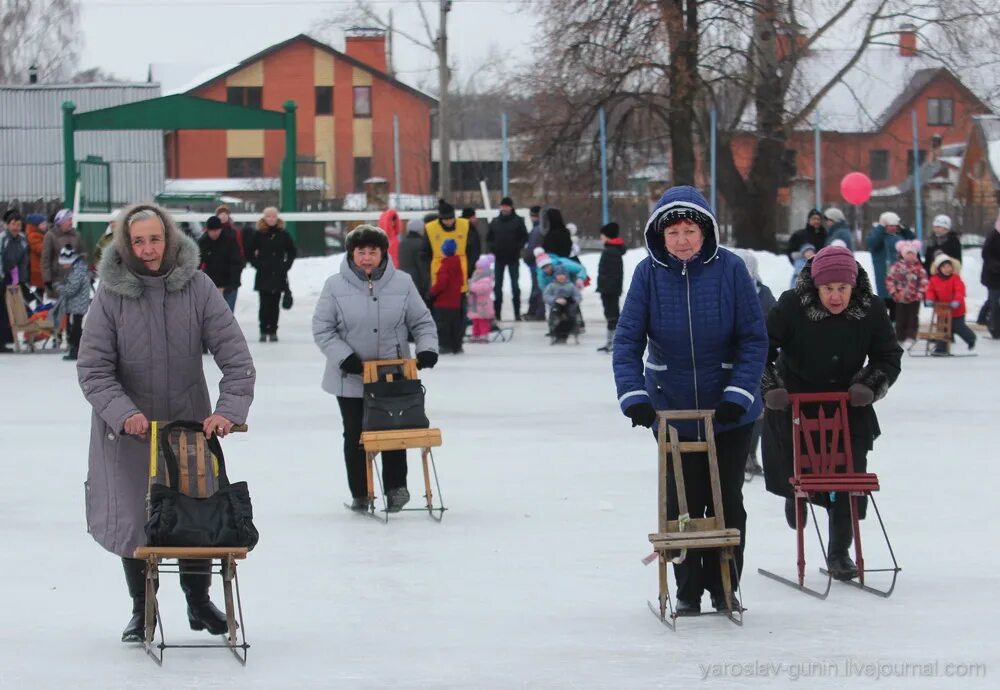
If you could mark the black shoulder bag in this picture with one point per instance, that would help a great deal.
(392, 405)
(176, 519)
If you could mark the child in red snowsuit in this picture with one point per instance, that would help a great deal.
(946, 287)
(446, 296)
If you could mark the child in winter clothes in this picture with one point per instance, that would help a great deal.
(805, 253)
(946, 287)
(906, 283)
(610, 276)
(481, 308)
(446, 295)
(563, 299)
(74, 296)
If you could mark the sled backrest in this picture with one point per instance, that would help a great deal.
(197, 465)
(373, 369)
(821, 434)
(16, 311)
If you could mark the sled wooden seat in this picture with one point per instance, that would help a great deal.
(375, 442)
(21, 324)
(859, 481)
(198, 472)
(675, 537)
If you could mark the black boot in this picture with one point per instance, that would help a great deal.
(838, 561)
(687, 608)
(790, 513)
(202, 613)
(135, 579)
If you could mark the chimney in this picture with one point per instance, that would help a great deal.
(33, 74)
(367, 45)
(791, 39)
(908, 40)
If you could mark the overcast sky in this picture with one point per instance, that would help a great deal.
(124, 36)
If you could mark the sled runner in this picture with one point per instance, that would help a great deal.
(675, 537)
(938, 333)
(425, 440)
(198, 477)
(824, 463)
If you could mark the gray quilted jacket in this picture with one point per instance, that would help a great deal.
(370, 318)
(141, 352)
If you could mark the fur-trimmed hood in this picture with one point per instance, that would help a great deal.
(262, 226)
(182, 255)
(861, 296)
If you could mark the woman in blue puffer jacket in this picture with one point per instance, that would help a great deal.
(693, 306)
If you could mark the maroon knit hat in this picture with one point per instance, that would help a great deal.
(834, 265)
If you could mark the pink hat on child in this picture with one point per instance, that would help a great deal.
(834, 265)
(541, 258)
(904, 247)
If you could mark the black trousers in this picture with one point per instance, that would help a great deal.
(612, 309)
(513, 267)
(393, 461)
(270, 308)
(75, 331)
(536, 305)
(700, 570)
(993, 311)
(451, 328)
(907, 320)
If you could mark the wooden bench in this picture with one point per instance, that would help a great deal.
(375, 442)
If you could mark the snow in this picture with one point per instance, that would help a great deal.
(203, 185)
(534, 577)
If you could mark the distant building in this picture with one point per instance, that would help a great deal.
(346, 103)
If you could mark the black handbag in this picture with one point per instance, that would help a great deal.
(286, 299)
(392, 405)
(222, 519)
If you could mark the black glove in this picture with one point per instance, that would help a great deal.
(426, 359)
(351, 365)
(777, 399)
(860, 395)
(727, 412)
(642, 414)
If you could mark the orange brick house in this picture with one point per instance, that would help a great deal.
(346, 103)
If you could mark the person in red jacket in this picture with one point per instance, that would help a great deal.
(446, 296)
(946, 287)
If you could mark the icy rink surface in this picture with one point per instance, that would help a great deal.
(534, 578)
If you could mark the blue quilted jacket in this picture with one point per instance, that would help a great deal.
(699, 322)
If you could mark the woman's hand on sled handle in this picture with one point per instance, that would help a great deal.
(137, 425)
(217, 425)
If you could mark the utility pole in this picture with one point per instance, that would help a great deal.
(391, 70)
(444, 77)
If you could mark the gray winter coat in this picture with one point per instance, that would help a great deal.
(372, 319)
(141, 352)
(74, 297)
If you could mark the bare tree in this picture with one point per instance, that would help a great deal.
(40, 35)
(746, 60)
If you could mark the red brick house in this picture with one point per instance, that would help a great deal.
(346, 103)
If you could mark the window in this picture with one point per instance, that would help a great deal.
(245, 167)
(878, 164)
(909, 160)
(247, 96)
(940, 111)
(362, 171)
(324, 100)
(362, 101)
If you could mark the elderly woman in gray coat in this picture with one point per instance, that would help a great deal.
(367, 311)
(140, 360)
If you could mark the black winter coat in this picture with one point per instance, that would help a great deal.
(474, 248)
(949, 245)
(271, 253)
(611, 269)
(991, 260)
(807, 235)
(221, 259)
(558, 241)
(415, 259)
(506, 237)
(813, 351)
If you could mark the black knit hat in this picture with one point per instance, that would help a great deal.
(535, 210)
(366, 236)
(11, 214)
(685, 213)
(611, 230)
(468, 212)
(214, 223)
(507, 201)
(445, 210)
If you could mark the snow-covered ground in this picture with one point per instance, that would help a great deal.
(534, 578)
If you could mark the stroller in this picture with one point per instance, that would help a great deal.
(564, 321)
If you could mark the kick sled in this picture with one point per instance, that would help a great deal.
(937, 340)
(198, 477)
(375, 442)
(824, 464)
(37, 329)
(675, 537)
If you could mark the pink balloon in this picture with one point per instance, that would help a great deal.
(856, 188)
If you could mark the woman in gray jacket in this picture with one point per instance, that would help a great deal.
(367, 311)
(140, 360)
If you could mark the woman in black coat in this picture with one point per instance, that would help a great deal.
(813, 233)
(272, 252)
(557, 239)
(831, 333)
(944, 240)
